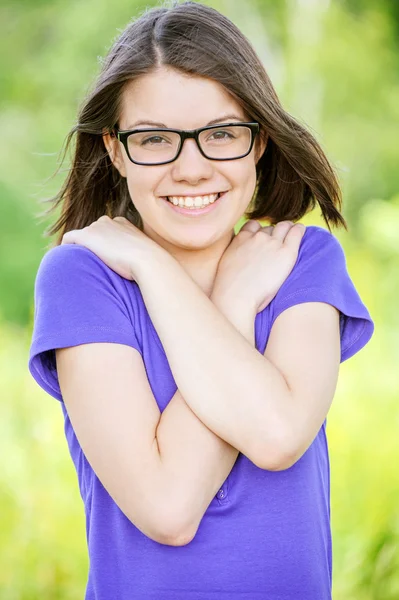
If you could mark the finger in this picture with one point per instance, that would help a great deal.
(281, 229)
(294, 236)
(69, 237)
(251, 226)
(267, 229)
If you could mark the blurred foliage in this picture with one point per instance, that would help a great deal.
(335, 68)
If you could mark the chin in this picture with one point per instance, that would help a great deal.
(195, 240)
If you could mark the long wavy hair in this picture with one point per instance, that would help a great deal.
(293, 173)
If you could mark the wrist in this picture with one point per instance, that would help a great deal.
(242, 317)
(157, 259)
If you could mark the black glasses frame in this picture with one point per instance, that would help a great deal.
(185, 134)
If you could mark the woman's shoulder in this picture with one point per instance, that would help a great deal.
(321, 275)
(71, 274)
(318, 246)
(70, 257)
(316, 236)
(76, 264)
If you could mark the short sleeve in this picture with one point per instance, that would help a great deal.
(320, 275)
(77, 300)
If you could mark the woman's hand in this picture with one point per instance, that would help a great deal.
(118, 243)
(257, 262)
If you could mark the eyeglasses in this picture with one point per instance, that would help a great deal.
(227, 141)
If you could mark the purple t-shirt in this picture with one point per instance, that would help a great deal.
(265, 534)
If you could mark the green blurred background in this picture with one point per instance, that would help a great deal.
(335, 66)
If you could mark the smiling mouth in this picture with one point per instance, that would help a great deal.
(194, 202)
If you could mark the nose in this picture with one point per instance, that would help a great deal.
(190, 165)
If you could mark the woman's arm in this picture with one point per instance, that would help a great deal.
(194, 453)
(238, 393)
(117, 420)
(161, 472)
(235, 391)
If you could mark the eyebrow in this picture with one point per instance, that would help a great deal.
(222, 119)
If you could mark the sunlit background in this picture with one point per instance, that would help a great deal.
(335, 67)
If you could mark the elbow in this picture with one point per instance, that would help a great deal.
(162, 527)
(175, 539)
(277, 456)
(171, 531)
(164, 533)
(276, 462)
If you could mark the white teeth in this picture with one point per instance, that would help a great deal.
(193, 202)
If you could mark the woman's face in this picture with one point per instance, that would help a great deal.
(175, 100)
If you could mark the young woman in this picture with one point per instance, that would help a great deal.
(195, 367)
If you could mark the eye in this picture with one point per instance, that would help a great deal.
(154, 140)
(221, 135)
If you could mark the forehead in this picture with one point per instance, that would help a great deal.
(175, 99)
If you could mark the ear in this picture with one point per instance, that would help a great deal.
(114, 150)
(260, 145)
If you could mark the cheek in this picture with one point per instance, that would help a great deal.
(141, 183)
(244, 175)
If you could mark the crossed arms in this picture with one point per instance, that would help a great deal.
(164, 470)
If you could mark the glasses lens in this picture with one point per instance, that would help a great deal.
(225, 142)
(153, 146)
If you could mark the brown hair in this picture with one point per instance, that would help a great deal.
(293, 173)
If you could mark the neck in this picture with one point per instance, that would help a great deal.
(200, 264)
